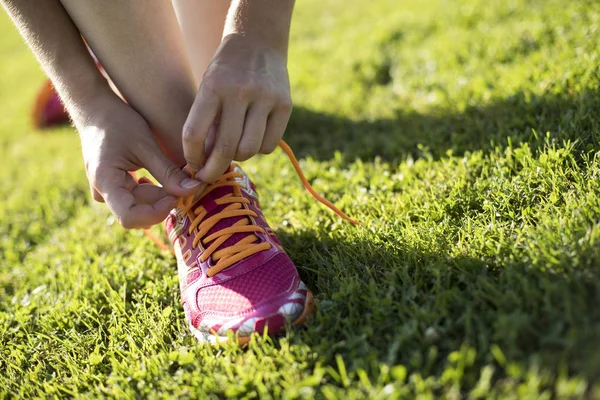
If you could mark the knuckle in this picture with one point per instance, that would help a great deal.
(209, 87)
(189, 134)
(126, 222)
(212, 89)
(171, 171)
(246, 91)
(265, 93)
(209, 93)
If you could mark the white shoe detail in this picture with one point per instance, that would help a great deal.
(290, 311)
(247, 327)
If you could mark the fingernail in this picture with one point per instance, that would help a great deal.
(189, 183)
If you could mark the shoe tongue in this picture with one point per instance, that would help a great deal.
(209, 203)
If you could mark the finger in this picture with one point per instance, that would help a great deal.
(209, 144)
(229, 133)
(275, 129)
(148, 193)
(254, 131)
(171, 177)
(202, 115)
(116, 186)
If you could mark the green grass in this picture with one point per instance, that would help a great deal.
(464, 134)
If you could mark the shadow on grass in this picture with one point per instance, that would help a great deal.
(395, 304)
(567, 117)
(383, 301)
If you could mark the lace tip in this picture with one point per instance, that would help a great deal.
(288, 151)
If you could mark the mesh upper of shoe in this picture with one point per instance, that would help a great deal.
(260, 284)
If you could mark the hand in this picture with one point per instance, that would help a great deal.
(245, 95)
(117, 140)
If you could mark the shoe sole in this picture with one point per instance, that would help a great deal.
(214, 339)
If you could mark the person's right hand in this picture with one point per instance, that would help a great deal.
(115, 140)
(242, 107)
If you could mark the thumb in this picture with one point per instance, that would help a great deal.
(171, 177)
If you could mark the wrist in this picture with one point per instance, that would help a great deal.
(83, 92)
(95, 107)
(249, 45)
(264, 22)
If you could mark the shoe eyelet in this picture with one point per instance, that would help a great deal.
(210, 262)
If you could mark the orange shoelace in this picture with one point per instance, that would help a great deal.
(246, 247)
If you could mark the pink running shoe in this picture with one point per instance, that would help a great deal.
(233, 272)
(48, 109)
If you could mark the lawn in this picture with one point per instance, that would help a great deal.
(463, 134)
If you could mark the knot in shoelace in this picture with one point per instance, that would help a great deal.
(251, 244)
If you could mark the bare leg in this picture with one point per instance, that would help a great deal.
(202, 24)
(142, 49)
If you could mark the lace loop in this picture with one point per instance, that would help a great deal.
(201, 225)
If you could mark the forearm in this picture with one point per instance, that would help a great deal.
(57, 44)
(267, 21)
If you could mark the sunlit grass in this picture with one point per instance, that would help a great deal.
(463, 134)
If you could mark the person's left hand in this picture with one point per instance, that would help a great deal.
(245, 93)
